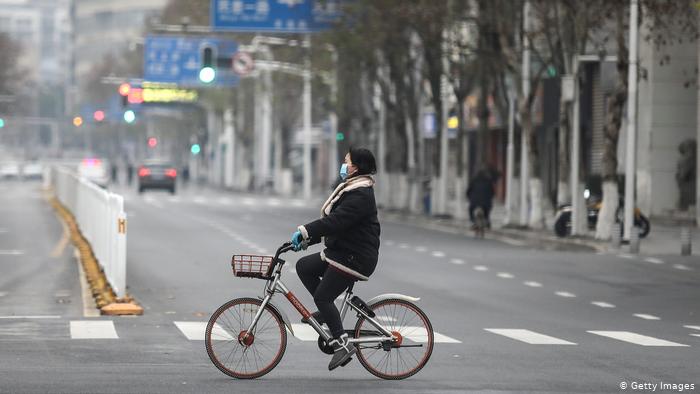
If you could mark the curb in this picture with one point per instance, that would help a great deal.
(102, 292)
(510, 236)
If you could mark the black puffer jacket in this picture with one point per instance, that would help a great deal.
(350, 227)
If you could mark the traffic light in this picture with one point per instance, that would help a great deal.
(129, 116)
(2, 123)
(207, 73)
(152, 142)
(99, 115)
(339, 136)
(77, 121)
(195, 149)
(124, 90)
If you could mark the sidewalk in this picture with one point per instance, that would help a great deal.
(663, 239)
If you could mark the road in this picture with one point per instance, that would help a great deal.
(511, 318)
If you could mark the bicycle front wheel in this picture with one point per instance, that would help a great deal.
(407, 355)
(239, 353)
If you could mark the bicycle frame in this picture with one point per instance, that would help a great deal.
(275, 285)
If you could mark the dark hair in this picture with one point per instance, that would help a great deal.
(363, 159)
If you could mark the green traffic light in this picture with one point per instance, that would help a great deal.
(129, 116)
(2, 123)
(340, 136)
(195, 149)
(207, 74)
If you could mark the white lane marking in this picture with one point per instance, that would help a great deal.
(174, 199)
(224, 201)
(92, 329)
(31, 317)
(646, 317)
(195, 330)
(481, 268)
(532, 284)
(12, 252)
(527, 336)
(403, 246)
(248, 201)
(565, 294)
(421, 249)
(3, 293)
(653, 260)
(505, 275)
(438, 254)
(625, 256)
(514, 242)
(695, 335)
(199, 200)
(602, 304)
(457, 261)
(693, 327)
(273, 202)
(152, 201)
(298, 203)
(682, 267)
(635, 338)
(304, 332)
(389, 242)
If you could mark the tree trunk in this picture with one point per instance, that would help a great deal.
(613, 121)
(536, 219)
(563, 189)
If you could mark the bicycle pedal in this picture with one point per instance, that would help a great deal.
(346, 362)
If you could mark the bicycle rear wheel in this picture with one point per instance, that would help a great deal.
(404, 357)
(238, 353)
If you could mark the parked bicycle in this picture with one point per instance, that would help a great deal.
(246, 337)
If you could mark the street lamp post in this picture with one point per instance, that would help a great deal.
(630, 167)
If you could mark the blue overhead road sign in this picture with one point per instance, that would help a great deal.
(178, 60)
(278, 16)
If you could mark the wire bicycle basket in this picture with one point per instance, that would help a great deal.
(251, 266)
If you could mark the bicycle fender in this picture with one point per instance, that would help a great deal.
(383, 297)
(284, 316)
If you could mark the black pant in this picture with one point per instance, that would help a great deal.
(325, 284)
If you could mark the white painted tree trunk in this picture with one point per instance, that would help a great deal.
(512, 212)
(563, 193)
(582, 211)
(536, 197)
(606, 216)
(460, 204)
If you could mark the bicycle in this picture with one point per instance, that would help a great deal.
(246, 337)
(479, 223)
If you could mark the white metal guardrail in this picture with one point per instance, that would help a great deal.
(101, 218)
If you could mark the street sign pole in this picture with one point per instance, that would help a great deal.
(630, 167)
(307, 117)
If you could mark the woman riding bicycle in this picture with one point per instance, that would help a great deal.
(350, 230)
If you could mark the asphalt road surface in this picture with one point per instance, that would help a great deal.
(510, 318)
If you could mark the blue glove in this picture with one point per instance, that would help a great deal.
(297, 240)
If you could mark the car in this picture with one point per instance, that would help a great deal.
(157, 175)
(32, 170)
(9, 170)
(94, 170)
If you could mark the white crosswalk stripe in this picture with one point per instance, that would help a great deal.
(602, 304)
(693, 327)
(646, 317)
(93, 329)
(527, 336)
(637, 339)
(195, 331)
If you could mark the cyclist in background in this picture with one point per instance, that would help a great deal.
(350, 229)
(480, 194)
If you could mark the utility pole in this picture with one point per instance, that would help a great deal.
(307, 117)
(630, 165)
(575, 153)
(523, 140)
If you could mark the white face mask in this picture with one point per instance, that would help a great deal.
(343, 171)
